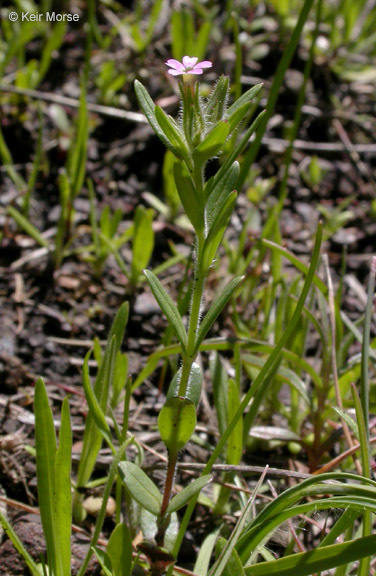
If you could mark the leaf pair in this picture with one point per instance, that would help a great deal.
(146, 493)
(173, 316)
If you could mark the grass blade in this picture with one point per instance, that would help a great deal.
(63, 494)
(314, 561)
(34, 570)
(45, 442)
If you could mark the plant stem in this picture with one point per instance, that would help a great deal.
(194, 316)
(169, 482)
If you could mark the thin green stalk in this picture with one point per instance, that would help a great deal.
(364, 380)
(298, 109)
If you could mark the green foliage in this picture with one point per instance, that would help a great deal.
(176, 423)
(141, 488)
(185, 39)
(53, 476)
(96, 426)
(183, 497)
(109, 82)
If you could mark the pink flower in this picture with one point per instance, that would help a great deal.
(189, 66)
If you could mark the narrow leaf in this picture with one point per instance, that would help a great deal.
(226, 552)
(321, 559)
(181, 499)
(119, 550)
(45, 443)
(188, 197)
(172, 133)
(245, 98)
(220, 391)
(94, 406)
(217, 230)
(168, 307)
(63, 493)
(218, 194)
(216, 308)
(143, 241)
(32, 566)
(140, 487)
(212, 143)
(235, 441)
(216, 101)
(148, 108)
(204, 555)
(27, 226)
(233, 565)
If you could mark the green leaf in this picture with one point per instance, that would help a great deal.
(217, 230)
(216, 102)
(188, 197)
(92, 436)
(119, 324)
(349, 421)
(76, 162)
(233, 565)
(216, 308)
(235, 441)
(235, 153)
(27, 226)
(297, 263)
(8, 163)
(168, 307)
(193, 388)
(103, 560)
(148, 107)
(143, 242)
(226, 552)
(140, 487)
(111, 476)
(212, 143)
(181, 499)
(45, 443)
(204, 555)
(176, 423)
(93, 404)
(216, 196)
(220, 391)
(238, 115)
(283, 373)
(63, 494)
(119, 550)
(307, 563)
(11, 534)
(172, 133)
(120, 378)
(245, 98)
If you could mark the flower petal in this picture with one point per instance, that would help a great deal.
(176, 72)
(195, 71)
(189, 62)
(175, 64)
(204, 64)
